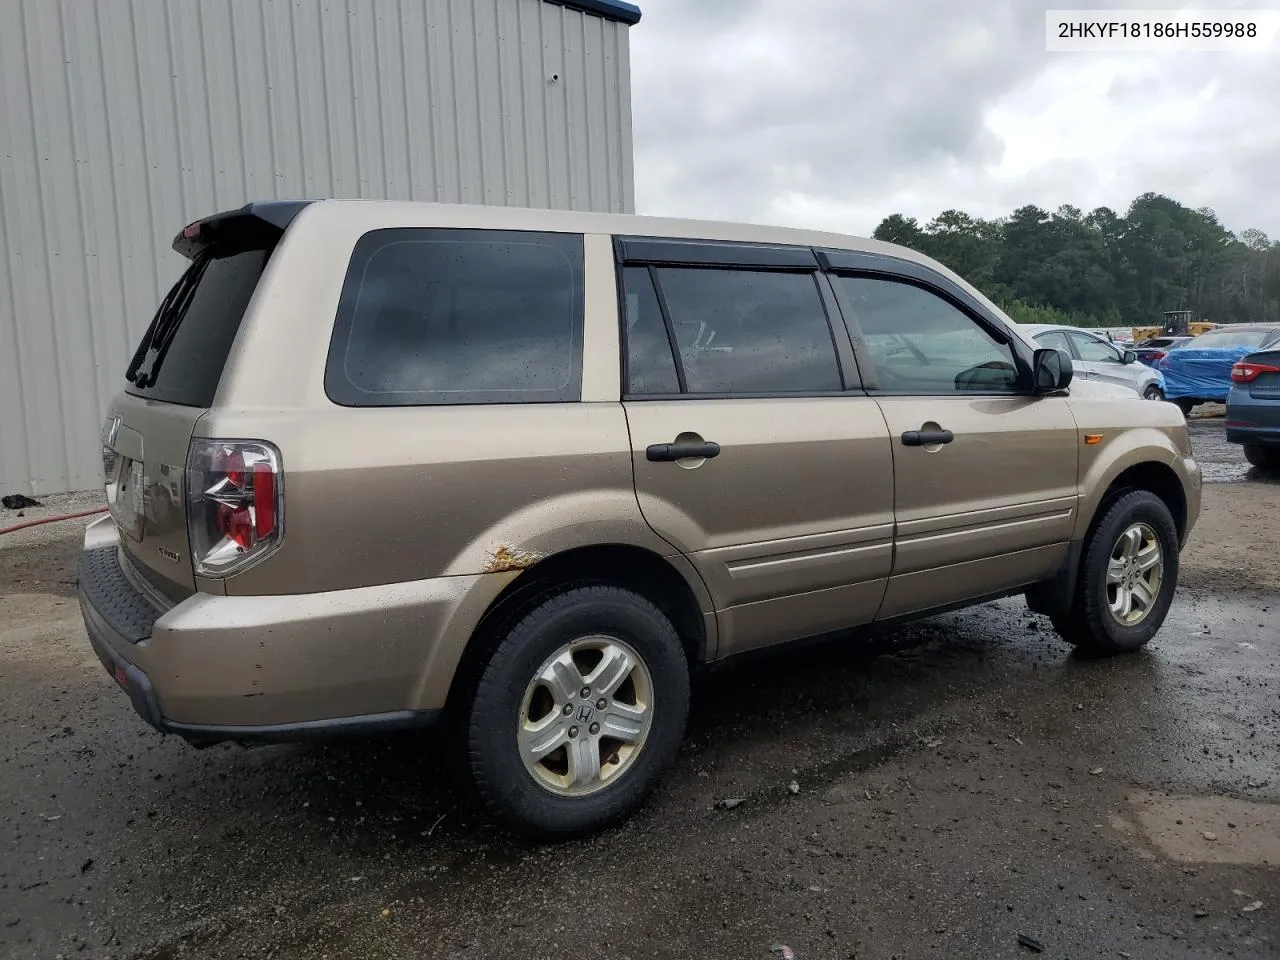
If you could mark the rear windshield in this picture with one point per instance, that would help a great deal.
(183, 365)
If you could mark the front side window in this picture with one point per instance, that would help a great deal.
(440, 316)
(749, 331)
(1094, 350)
(921, 343)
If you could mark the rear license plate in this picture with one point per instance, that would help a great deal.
(125, 498)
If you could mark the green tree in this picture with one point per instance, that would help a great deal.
(901, 230)
(1104, 268)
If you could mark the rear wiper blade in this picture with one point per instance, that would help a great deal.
(161, 336)
(148, 338)
(169, 329)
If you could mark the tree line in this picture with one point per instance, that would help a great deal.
(1104, 269)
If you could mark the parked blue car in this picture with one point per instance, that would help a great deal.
(1199, 370)
(1253, 408)
(1154, 350)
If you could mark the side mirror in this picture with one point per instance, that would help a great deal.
(1051, 370)
(1129, 357)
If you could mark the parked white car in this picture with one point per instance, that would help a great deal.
(1097, 358)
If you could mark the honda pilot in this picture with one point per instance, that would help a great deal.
(375, 464)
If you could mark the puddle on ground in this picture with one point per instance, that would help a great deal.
(1191, 829)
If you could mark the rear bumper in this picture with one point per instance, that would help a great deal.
(132, 680)
(279, 668)
(137, 685)
(1262, 436)
(1252, 420)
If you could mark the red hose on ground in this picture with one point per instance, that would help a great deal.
(64, 516)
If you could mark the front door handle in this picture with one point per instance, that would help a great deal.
(925, 438)
(671, 452)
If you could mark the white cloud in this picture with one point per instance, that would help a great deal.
(834, 114)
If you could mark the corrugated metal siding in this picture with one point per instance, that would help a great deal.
(123, 120)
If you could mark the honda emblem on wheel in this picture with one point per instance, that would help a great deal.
(584, 713)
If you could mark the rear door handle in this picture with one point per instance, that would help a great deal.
(670, 452)
(925, 438)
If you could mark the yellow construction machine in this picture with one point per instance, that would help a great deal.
(1177, 323)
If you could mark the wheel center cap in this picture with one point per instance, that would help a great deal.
(585, 712)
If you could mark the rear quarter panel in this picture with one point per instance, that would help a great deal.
(1253, 408)
(1265, 386)
(377, 496)
(386, 495)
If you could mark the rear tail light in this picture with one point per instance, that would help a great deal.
(235, 504)
(1155, 356)
(109, 456)
(1246, 372)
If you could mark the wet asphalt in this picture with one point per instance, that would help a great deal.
(1222, 462)
(938, 790)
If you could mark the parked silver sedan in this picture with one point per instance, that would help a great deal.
(1097, 358)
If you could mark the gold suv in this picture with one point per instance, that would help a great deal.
(377, 463)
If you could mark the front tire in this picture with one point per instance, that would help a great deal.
(1262, 457)
(1128, 574)
(1153, 393)
(577, 713)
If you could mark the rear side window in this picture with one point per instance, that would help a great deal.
(651, 368)
(736, 332)
(1053, 340)
(183, 364)
(1094, 350)
(440, 316)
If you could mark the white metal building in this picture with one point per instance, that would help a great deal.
(123, 120)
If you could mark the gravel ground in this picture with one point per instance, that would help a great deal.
(932, 791)
(58, 504)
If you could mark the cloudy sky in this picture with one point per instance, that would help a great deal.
(835, 113)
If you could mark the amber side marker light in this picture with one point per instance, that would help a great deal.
(1092, 438)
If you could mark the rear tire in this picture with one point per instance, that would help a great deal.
(1264, 458)
(1128, 574)
(544, 685)
(1153, 393)
(1185, 405)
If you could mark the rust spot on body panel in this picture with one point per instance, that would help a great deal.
(505, 558)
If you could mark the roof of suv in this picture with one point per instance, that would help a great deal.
(370, 214)
(280, 213)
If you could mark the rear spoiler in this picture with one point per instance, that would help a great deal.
(252, 225)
